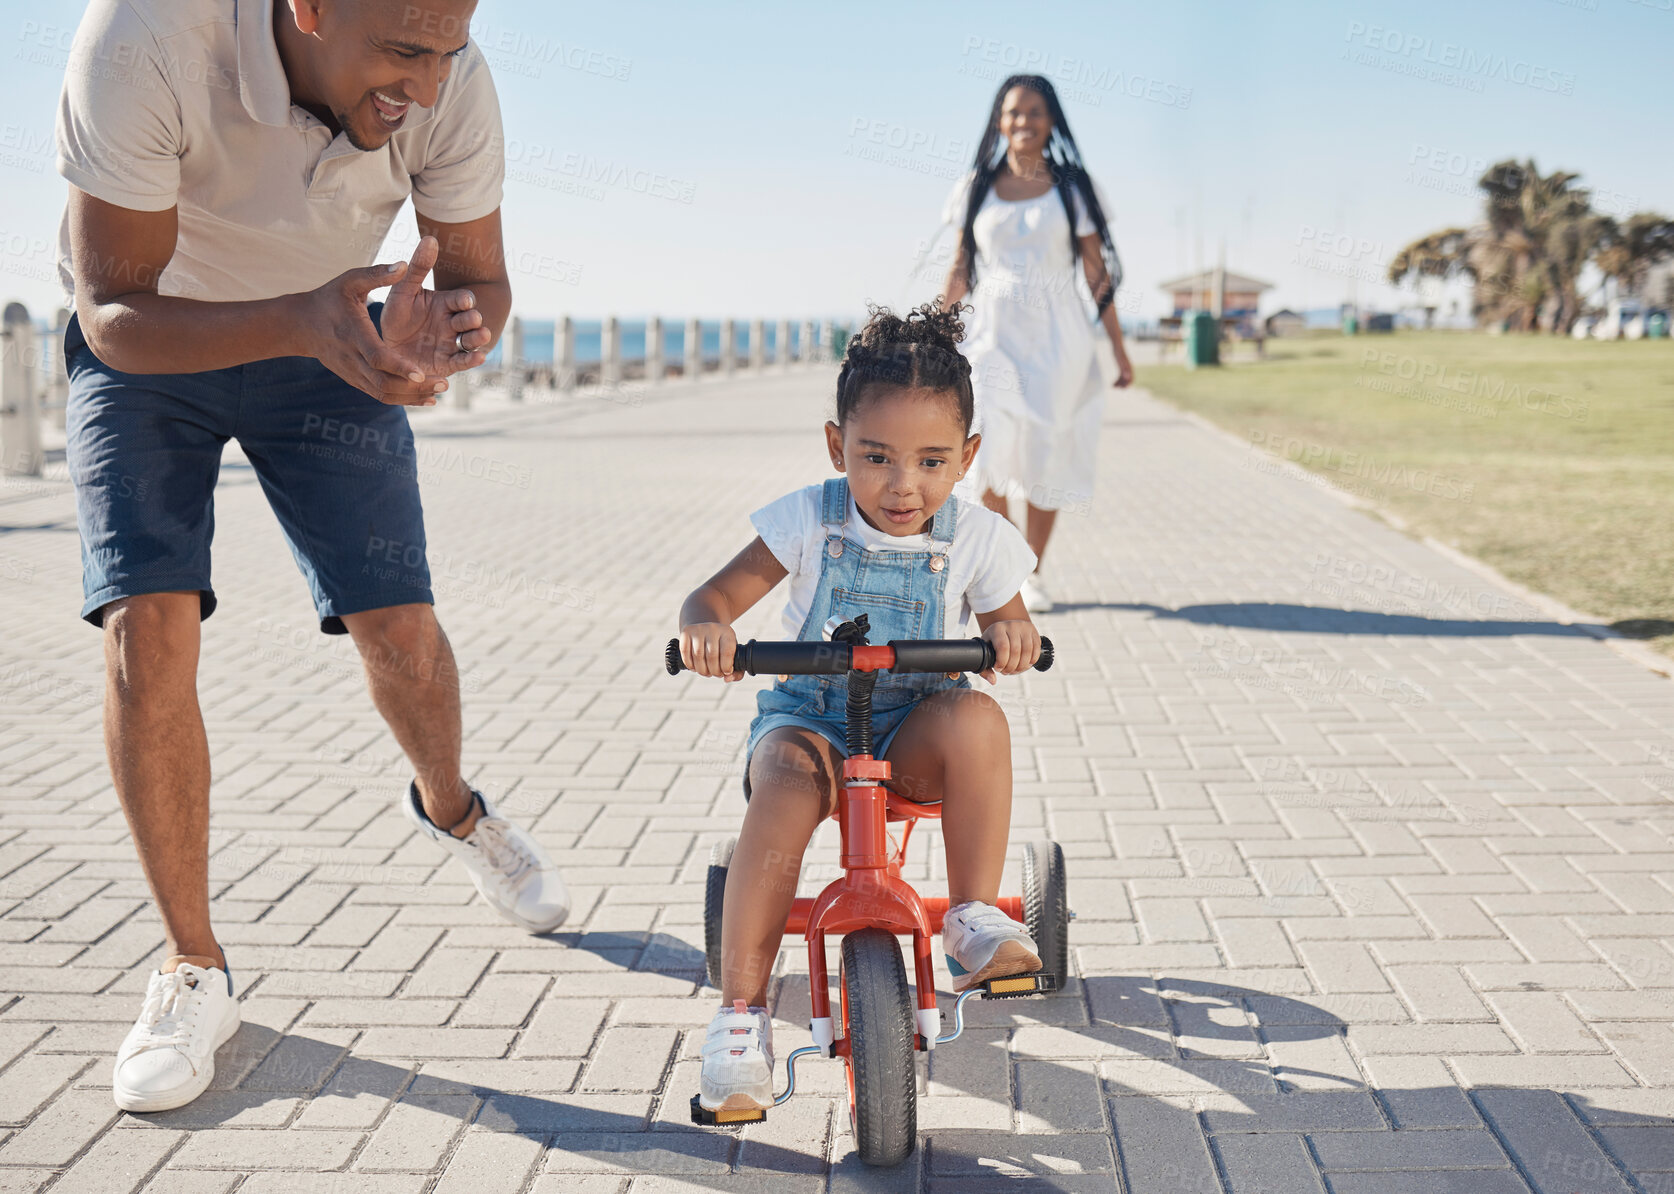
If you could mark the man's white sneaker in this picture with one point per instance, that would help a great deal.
(507, 865)
(168, 1057)
(1037, 599)
(981, 943)
(737, 1060)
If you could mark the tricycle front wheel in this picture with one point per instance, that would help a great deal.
(877, 1009)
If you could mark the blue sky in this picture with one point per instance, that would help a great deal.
(785, 160)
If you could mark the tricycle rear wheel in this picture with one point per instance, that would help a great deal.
(1046, 907)
(714, 892)
(877, 1009)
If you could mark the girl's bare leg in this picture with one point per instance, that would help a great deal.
(793, 787)
(956, 748)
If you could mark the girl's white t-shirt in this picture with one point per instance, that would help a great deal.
(986, 565)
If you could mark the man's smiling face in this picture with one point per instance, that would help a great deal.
(370, 61)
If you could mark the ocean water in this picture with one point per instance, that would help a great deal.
(539, 336)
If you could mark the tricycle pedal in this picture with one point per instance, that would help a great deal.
(725, 1117)
(1012, 986)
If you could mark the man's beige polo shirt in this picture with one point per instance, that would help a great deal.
(184, 103)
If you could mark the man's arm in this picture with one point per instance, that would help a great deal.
(118, 255)
(472, 256)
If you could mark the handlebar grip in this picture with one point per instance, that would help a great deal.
(1044, 663)
(775, 658)
(942, 655)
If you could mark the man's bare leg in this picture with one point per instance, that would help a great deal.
(159, 761)
(415, 685)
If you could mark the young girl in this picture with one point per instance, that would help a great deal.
(884, 538)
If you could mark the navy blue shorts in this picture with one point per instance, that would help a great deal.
(338, 468)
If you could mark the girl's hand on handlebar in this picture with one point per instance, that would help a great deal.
(708, 649)
(1016, 647)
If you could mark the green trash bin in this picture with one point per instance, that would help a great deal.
(1351, 325)
(1656, 327)
(1203, 342)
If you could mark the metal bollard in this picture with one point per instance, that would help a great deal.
(653, 350)
(694, 349)
(610, 352)
(758, 345)
(20, 406)
(460, 386)
(58, 377)
(511, 358)
(781, 344)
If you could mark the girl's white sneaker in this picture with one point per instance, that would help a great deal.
(981, 943)
(506, 863)
(168, 1056)
(738, 1060)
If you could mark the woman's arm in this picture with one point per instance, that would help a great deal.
(707, 641)
(954, 288)
(1098, 279)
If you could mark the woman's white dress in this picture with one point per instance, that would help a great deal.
(1030, 340)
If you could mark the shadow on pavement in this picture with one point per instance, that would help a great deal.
(1142, 1048)
(1314, 619)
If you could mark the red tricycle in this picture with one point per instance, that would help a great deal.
(870, 906)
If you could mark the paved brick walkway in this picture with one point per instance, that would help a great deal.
(1373, 894)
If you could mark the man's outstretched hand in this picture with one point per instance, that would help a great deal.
(428, 335)
(440, 330)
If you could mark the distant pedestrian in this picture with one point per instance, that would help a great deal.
(1026, 214)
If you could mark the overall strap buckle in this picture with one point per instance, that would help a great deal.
(834, 512)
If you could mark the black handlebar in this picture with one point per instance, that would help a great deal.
(834, 659)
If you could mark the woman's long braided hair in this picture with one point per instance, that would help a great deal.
(918, 352)
(1069, 175)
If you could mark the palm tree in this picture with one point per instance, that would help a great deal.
(1525, 259)
(1630, 249)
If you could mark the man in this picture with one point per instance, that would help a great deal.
(233, 167)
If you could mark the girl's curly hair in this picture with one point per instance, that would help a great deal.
(920, 351)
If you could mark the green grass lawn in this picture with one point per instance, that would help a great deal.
(1552, 460)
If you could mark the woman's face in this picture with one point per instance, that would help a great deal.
(1024, 121)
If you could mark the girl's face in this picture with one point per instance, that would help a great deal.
(1024, 120)
(903, 450)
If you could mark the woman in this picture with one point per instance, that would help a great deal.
(1027, 212)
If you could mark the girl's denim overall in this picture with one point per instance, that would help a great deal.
(903, 595)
